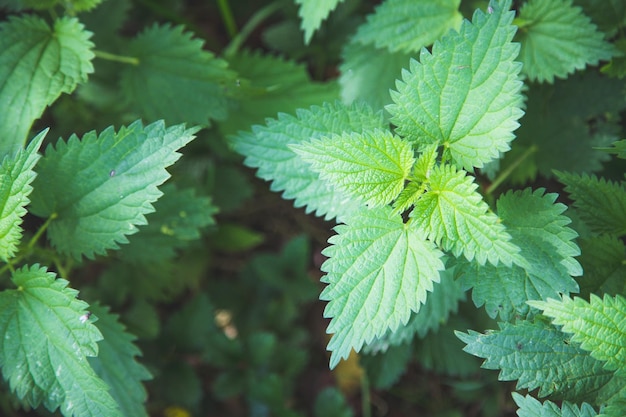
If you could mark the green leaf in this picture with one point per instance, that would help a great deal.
(47, 338)
(37, 64)
(557, 39)
(16, 174)
(603, 262)
(530, 407)
(455, 216)
(179, 215)
(379, 271)
(385, 369)
(369, 73)
(312, 13)
(596, 325)
(117, 365)
(407, 26)
(608, 15)
(600, 203)
(99, 188)
(537, 226)
(618, 148)
(270, 85)
(371, 166)
(175, 78)
(539, 356)
(330, 402)
(267, 148)
(465, 94)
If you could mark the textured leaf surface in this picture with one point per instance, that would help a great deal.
(267, 148)
(537, 226)
(407, 25)
(602, 260)
(100, 187)
(601, 204)
(117, 364)
(454, 215)
(371, 166)
(440, 303)
(597, 325)
(312, 13)
(465, 95)
(379, 271)
(608, 15)
(557, 38)
(530, 407)
(16, 174)
(37, 64)
(175, 79)
(46, 342)
(539, 356)
(177, 219)
(270, 85)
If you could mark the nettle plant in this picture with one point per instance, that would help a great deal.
(415, 234)
(411, 178)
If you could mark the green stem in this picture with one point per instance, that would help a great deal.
(41, 230)
(117, 58)
(509, 170)
(249, 27)
(365, 396)
(227, 17)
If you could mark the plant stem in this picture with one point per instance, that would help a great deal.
(42, 229)
(117, 58)
(249, 27)
(227, 17)
(365, 395)
(509, 170)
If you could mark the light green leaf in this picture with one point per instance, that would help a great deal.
(117, 365)
(175, 78)
(178, 216)
(47, 337)
(267, 148)
(371, 166)
(538, 227)
(539, 356)
(16, 174)
(597, 325)
(100, 187)
(269, 85)
(530, 407)
(312, 13)
(37, 64)
(557, 39)
(378, 272)
(408, 25)
(465, 94)
(455, 216)
(600, 203)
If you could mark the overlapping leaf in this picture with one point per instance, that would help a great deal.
(597, 325)
(530, 407)
(270, 85)
(267, 148)
(175, 78)
(179, 215)
(117, 364)
(100, 187)
(16, 174)
(539, 356)
(600, 203)
(557, 39)
(602, 260)
(608, 15)
(37, 64)
(407, 26)
(312, 13)
(379, 271)
(46, 339)
(538, 227)
(454, 215)
(465, 95)
(371, 166)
